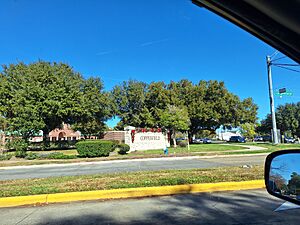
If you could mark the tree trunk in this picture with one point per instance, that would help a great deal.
(188, 141)
(46, 142)
(174, 139)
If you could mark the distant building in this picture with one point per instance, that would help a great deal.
(115, 135)
(37, 137)
(225, 136)
(64, 134)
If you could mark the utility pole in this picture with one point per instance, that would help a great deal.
(274, 133)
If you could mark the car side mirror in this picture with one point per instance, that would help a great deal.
(282, 175)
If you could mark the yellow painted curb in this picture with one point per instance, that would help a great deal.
(23, 200)
(130, 193)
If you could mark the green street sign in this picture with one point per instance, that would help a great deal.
(287, 93)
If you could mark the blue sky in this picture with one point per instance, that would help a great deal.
(143, 40)
(288, 163)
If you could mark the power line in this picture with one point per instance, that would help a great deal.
(297, 71)
(285, 64)
(278, 58)
(274, 54)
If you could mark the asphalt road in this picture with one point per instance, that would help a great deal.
(54, 170)
(222, 208)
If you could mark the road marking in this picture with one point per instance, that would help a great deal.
(287, 206)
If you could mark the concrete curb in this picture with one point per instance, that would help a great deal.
(129, 193)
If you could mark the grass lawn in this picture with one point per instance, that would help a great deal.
(194, 148)
(127, 180)
(272, 147)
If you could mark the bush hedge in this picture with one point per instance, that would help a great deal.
(56, 155)
(183, 144)
(123, 149)
(19, 145)
(31, 156)
(99, 148)
(52, 155)
(5, 157)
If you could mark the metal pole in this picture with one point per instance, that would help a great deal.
(274, 133)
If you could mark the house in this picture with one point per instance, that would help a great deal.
(225, 136)
(66, 133)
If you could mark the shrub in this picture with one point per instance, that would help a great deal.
(116, 142)
(20, 145)
(123, 149)
(183, 144)
(20, 154)
(31, 156)
(97, 148)
(56, 155)
(63, 144)
(5, 157)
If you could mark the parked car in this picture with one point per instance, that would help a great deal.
(201, 141)
(180, 139)
(237, 139)
(197, 141)
(206, 141)
(258, 138)
(267, 138)
(289, 140)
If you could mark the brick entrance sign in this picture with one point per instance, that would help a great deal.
(146, 138)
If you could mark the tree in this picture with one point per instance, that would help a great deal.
(280, 182)
(287, 119)
(157, 99)
(175, 119)
(248, 130)
(294, 183)
(130, 104)
(98, 107)
(43, 95)
(209, 104)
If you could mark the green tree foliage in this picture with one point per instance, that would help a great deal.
(157, 99)
(43, 95)
(129, 98)
(209, 104)
(294, 183)
(98, 107)
(248, 130)
(287, 120)
(175, 119)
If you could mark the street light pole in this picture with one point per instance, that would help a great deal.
(274, 133)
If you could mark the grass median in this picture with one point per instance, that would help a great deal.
(272, 147)
(203, 148)
(195, 150)
(127, 180)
